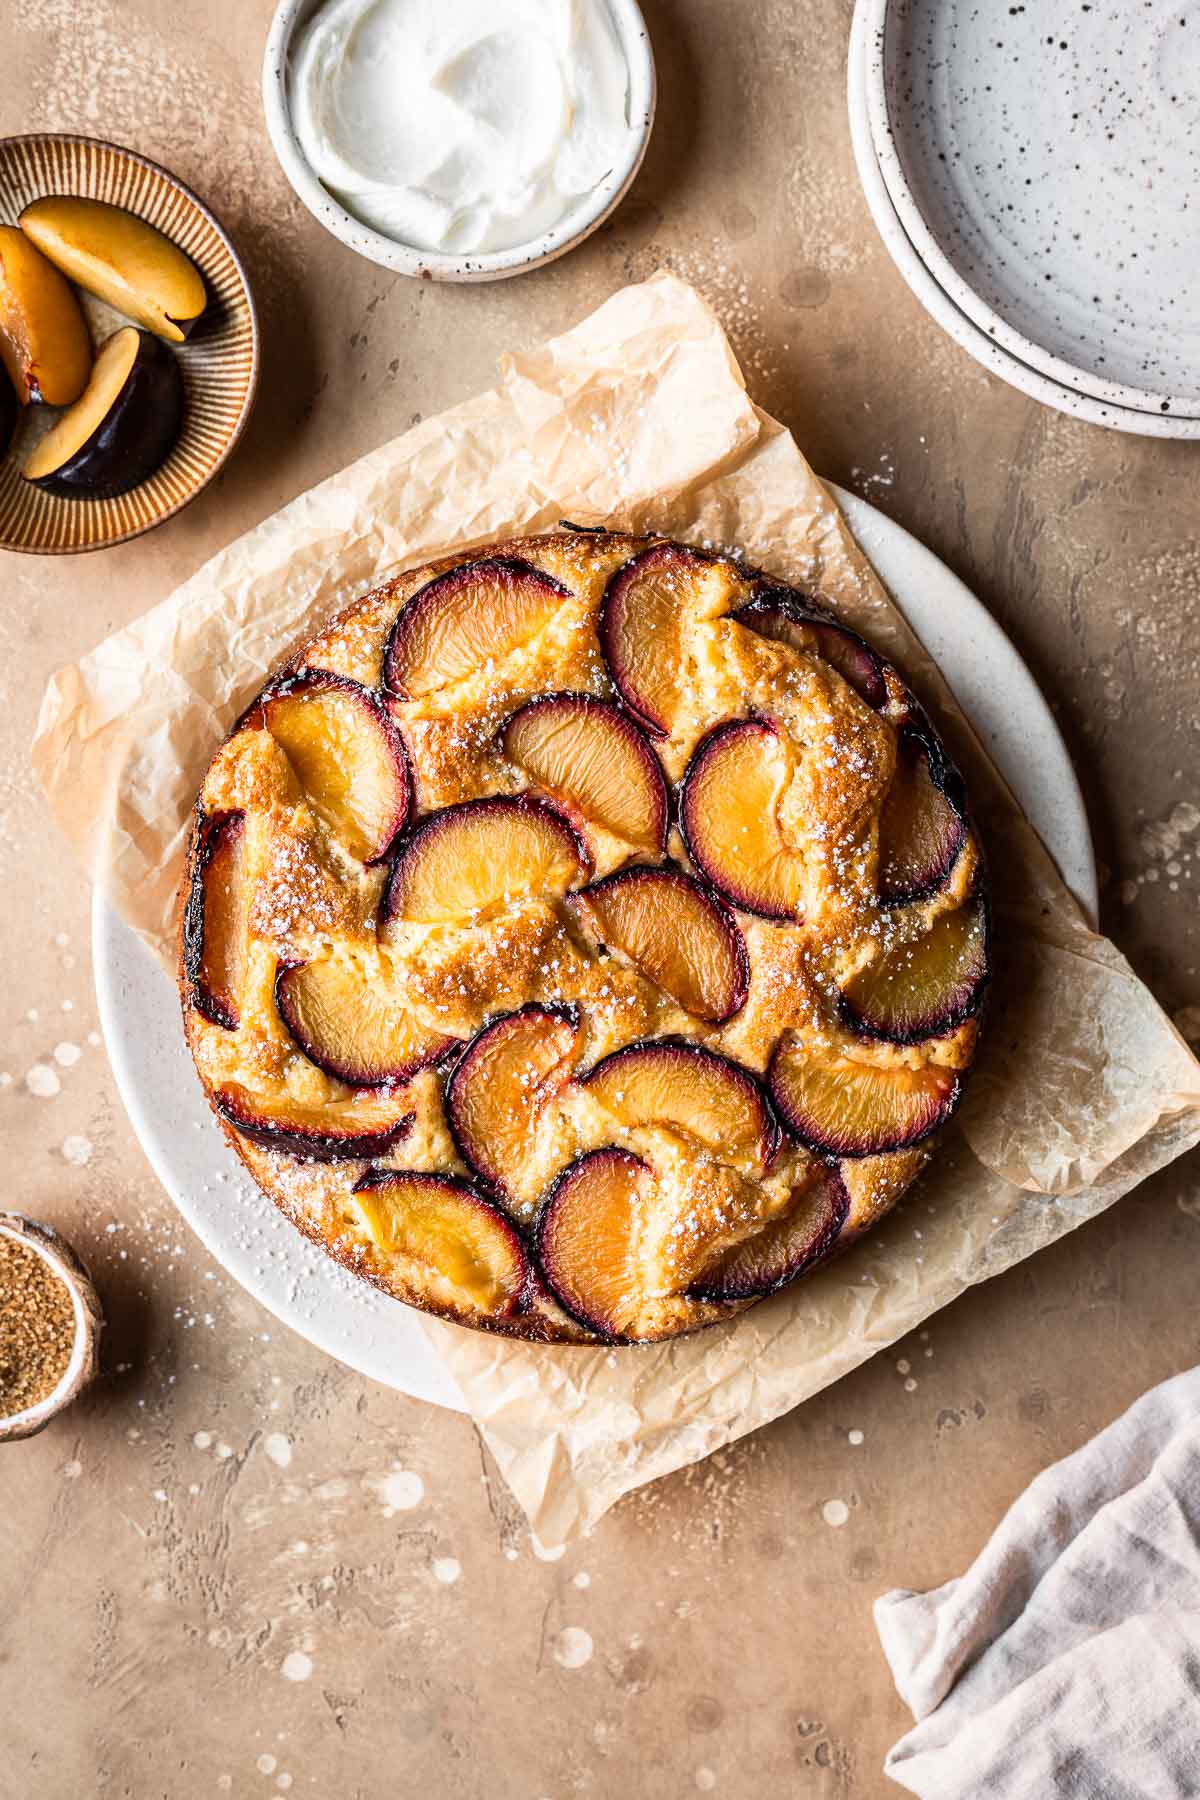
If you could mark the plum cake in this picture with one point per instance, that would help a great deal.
(584, 937)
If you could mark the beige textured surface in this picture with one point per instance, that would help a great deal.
(149, 1633)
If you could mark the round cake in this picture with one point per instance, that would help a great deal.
(584, 937)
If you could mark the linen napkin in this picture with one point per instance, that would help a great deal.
(1065, 1664)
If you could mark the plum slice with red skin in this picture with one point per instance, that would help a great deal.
(502, 1083)
(788, 618)
(838, 1106)
(923, 821)
(216, 919)
(698, 1091)
(352, 1022)
(595, 760)
(480, 854)
(729, 818)
(331, 1131)
(346, 752)
(460, 622)
(676, 932)
(639, 629)
(452, 1234)
(925, 988)
(586, 1238)
(783, 1248)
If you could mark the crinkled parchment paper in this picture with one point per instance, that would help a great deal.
(639, 416)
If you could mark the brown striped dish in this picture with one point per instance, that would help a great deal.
(219, 361)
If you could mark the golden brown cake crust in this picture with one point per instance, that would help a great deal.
(316, 872)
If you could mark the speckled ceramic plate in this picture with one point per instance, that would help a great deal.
(219, 361)
(301, 1285)
(1044, 163)
(969, 336)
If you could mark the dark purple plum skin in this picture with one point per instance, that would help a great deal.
(212, 832)
(134, 437)
(372, 1180)
(342, 1071)
(691, 837)
(317, 1147)
(772, 1135)
(558, 1195)
(806, 1133)
(815, 1251)
(917, 739)
(630, 730)
(565, 1012)
(672, 874)
(769, 612)
(437, 822)
(494, 568)
(616, 597)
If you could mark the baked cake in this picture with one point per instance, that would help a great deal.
(583, 937)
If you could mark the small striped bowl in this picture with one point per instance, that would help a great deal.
(219, 361)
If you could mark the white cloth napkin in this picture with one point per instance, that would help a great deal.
(1065, 1664)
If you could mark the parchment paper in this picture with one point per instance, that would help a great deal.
(639, 417)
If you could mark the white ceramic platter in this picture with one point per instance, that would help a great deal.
(966, 333)
(1044, 161)
(239, 1226)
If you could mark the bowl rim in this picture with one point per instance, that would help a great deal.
(992, 357)
(1156, 403)
(58, 1255)
(441, 265)
(243, 418)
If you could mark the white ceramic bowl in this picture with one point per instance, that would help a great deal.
(435, 265)
(969, 336)
(1041, 165)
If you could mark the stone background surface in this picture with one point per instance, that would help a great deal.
(238, 1568)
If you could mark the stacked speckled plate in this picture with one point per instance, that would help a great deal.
(1033, 171)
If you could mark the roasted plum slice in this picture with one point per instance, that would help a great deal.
(481, 854)
(44, 342)
(640, 630)
(839, 1106)
(925, 988)
(465, 620)
(587, 1235)
(785, 617)
(121, 258)
(594, 760)
(501, 1085)
(923, 825)
(692, 1089)
(216, 919)
(451, 1244)
(361, 1127)
(347, 755)
(675, 932)
(729, 814)
(350, 1020)
(785, 1246)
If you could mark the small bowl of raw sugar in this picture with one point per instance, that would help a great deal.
(459, 140)
(50, 1326)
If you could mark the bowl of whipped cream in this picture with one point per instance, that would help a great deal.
(459, 140)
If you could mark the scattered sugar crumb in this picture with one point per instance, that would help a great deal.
(224, 1451)
(266, 1764)
(446, 1569)
(582, 1580)
(572, 1647)
(401, 1491)
(910, 1385)
(42, 1081)
(278, 1448)
(66, 1054)
(297, 1665)
(835, 1512)
(855, 1436)
(77, 1150)
(202, 1440)
(903, 1366)
(705, 1779)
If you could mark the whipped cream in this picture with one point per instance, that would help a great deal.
(461, 125)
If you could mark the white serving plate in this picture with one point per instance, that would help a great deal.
(968, 335)
(239, 1226)
(1044, 162)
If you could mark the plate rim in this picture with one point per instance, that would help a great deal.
(969, 301)
(111, 939)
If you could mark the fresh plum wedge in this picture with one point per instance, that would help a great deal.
(729, 817)
(501, 1085)
(335, 1131)
(216, 918)
(460, 622)
(586, 1240)
(350, 1021)
(695, 1090)
(455, 1238)
(347, 755)
(483, 853)
(593, 759)
(840, 1107)
(779, 614)
(926, 988)
(679, 935)
(785, 1247)
(923, 825)
(640, 630)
